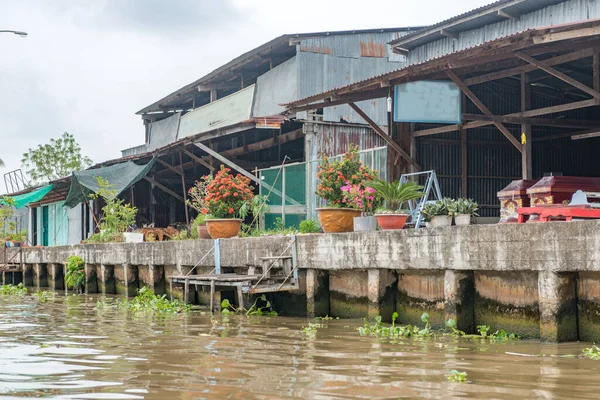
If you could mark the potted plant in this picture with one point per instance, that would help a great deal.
(228, 200)
(196, 199)
(394, 195)
(200, 225)
(360, 197)
(339, 216)
(437, 213)
(17, 238)
(463, 210)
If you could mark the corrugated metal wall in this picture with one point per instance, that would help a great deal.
(569, 11)
(330, 62)
(334, 140)
(277, 86)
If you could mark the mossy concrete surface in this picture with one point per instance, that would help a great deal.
(420, 292)
(348, 294)
(508, 301)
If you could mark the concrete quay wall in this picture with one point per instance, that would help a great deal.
(537, 280)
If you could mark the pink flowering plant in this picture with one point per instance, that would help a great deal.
(358, 196)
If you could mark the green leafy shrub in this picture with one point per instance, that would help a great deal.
(592, 353)
(309, 226)
(394, 194)
(75, 276)
(463, 206)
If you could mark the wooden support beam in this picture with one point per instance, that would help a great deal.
(596, 71)
(385, 136)
(492, 76)
(170, 167)
(164, 189)
(566, 135)
(482, 107)
(556, 122)
(184, 190)
(449, 34)
(585, 136)
(367, 94)
(570, 34)
(463, 163)
(531, 113)
(198, 159)
(227, 162)
(526, 154)
(504, 14)
(563, 77)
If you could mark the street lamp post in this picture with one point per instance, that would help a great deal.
(22, 34)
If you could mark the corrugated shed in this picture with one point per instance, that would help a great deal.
(134, 151)
(278, 86)
(568, 11)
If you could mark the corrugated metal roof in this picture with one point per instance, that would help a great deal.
(473, 19)
(268, 48)
(417, 67)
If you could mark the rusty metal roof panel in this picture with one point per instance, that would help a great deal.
(369, 45)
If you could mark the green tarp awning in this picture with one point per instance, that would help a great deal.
(23, 200)
(119, 177)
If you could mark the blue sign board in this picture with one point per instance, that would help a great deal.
(437, 102)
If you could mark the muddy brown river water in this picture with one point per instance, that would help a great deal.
(66, 348)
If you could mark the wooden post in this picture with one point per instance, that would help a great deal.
(186, 291)
(187, 214)
(240, 297)
(526, 153)
(464, 169)
(596, 66)
(463, 163)
(212, 296)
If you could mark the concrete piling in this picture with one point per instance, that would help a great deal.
(558, 306)
(40, 276)
(106, 280)
(91, 279)
(317, 293)
(459, 296)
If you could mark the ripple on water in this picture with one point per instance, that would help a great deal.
(67, 349)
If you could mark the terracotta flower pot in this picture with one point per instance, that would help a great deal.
(203, 232)
(336, 220)
(223, 228)
(388, 222)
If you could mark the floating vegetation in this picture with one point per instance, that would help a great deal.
(592, 353)
(398, 331)
(12, 290)
(310, 331)
(45, 295)
(498, 335)
(394, 331)
(326, 318)
(457, 376)
(265, 309)
(146, 301)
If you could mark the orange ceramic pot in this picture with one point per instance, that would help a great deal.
(388, 222)
(223, 228)
(336, 220)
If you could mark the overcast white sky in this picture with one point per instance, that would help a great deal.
(88, 66)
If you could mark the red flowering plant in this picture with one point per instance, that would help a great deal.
(337, 174)
(227, 196)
